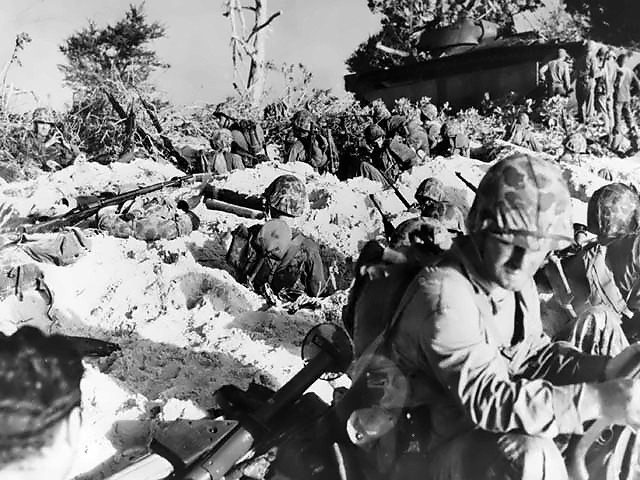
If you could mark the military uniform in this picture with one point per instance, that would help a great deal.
(454, 141)
(393, 157)
(623, 113)
(470, 361)
(50, 152)
(309, 146)
(433, 203)
(520, 134)
(299, 271)
(557, 76)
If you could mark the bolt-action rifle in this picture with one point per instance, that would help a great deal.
(91, 205)
(398, 193)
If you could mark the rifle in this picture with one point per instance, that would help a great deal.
(92, 205)
(399, 194)
(147, 141)
(167, 144)
(208, 449)
(389, 229)
(467, 183)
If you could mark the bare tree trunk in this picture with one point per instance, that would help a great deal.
(257, 74)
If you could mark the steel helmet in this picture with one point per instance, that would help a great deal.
(525, 200)
(373, 132)
(303, 119)
(288, 195)
(43, 115)
(430, 111)
(613, 210)
(380, 110)
(576, 143)
(431, 189)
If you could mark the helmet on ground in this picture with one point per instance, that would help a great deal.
(373, 132)
(576, 143)
(303, 119)
(43, 115)
(221, 139)
(613, 210)
(431, 189)
(525, 201)
(287, 195)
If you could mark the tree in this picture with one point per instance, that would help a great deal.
(117, 59)
(615, 22)
(117, 53)
(249, 42)
(403, 19)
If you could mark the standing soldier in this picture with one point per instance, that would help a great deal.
(603, 90)
(557, 76)
(587, 70)
(625, 80)
(46, 144)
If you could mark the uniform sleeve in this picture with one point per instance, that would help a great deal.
(315, 276)
(566, 76)
(477, 375)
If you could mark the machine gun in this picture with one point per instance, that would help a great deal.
(208, 449)
(89, 206)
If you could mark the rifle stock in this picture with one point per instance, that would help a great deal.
(389, 229)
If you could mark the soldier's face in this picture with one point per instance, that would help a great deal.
(43, 129)
(510, 266)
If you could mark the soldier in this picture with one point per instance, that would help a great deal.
(429, 116)
(392, 125)
(248, 142)
(390, 156)
(471, 386)
(607, 272)
(273, 254)
(521, 134)
(454, 141)
(557, 76)
(587, 70)
(40, 397)
(46, 144)
(603, 90)
(149, 219)
(309, 145)
(625, 80)
(219, 160)
(286, 196)
(433, 203)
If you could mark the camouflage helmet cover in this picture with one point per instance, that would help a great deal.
(576, 143)
(380, 110)
(524, 200)
(303, 119)
(613, 210)
(287, 194)
(429, 110)
(43, 115)
(430, 189)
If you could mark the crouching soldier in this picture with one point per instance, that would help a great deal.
(433, 203)
(454, 141)
(147, 219)
(310, 145)
(219, 159)
(40, 398)
(46, 145)
(468, 385)
(273, 254)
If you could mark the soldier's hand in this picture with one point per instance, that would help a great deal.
(625, 364)
(619, 401)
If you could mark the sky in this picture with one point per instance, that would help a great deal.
(321, 34)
